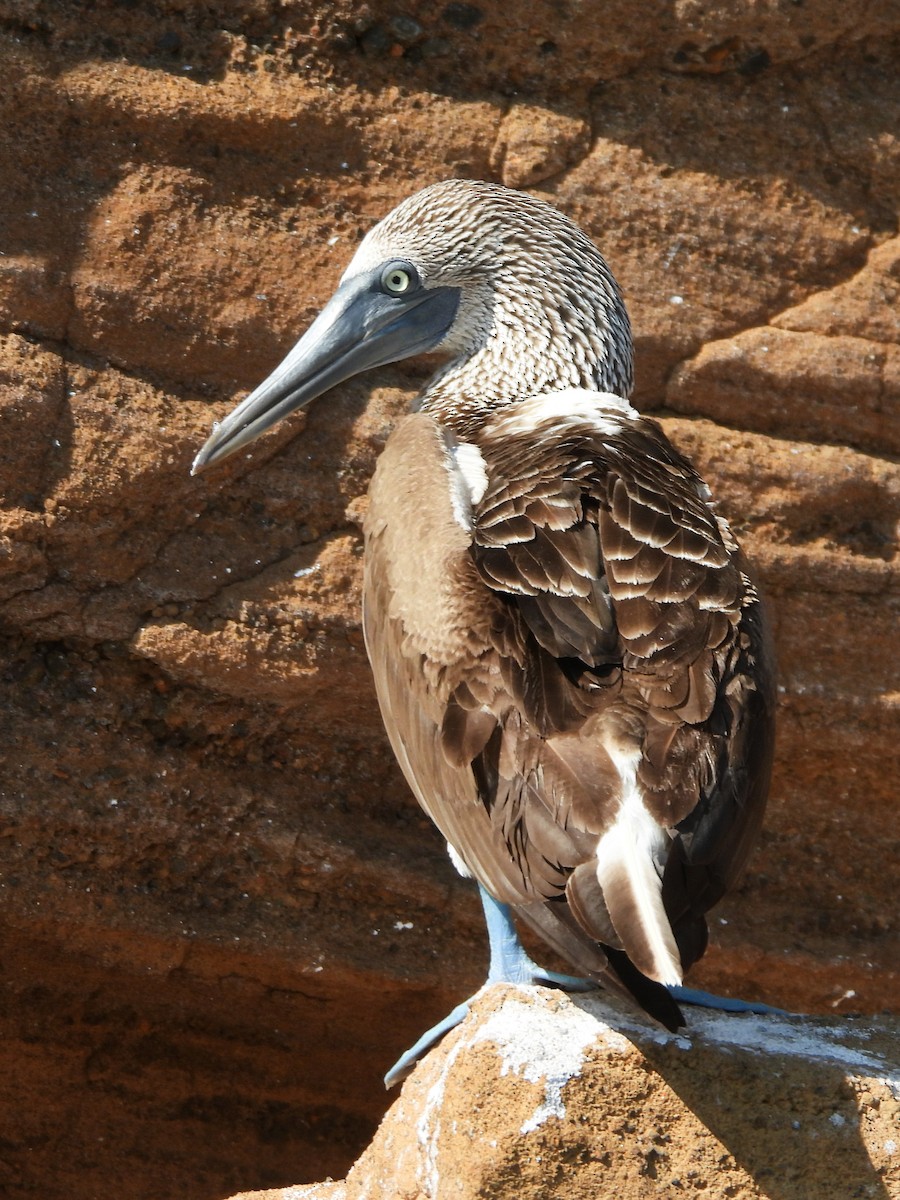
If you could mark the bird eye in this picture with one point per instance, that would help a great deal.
(397, 279)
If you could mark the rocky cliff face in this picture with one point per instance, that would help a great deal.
(223, 914)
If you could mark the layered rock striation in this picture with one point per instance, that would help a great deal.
(223, 915)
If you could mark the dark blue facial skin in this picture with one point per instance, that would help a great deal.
(365, 324)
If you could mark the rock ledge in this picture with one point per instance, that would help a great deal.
(539, 1094)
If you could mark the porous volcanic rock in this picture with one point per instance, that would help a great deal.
(223, 914)
(539, 1096)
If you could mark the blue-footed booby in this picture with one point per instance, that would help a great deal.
(571, 657)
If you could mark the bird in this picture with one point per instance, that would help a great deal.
(571, 655)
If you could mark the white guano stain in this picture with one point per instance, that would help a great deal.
(793, 1035)
(546, 1045)
(545, 1040)
(428, 1125)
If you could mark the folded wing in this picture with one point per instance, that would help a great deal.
(593, 736)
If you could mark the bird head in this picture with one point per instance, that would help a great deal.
(510, 292)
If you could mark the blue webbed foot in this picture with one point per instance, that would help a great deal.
(723, 1003)
(509, 964)
(410, 1058)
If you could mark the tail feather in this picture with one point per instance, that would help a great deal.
(611, 967)
(632, 892)
(652, 997)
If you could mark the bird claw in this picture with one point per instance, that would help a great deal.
(724, 1003)
(509, 962)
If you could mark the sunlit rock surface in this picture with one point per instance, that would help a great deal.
(223, 914)
(538, 1095)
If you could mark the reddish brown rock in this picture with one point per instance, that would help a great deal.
(866, 306)
(223, 914)
(808, 386)
(535, 144)
(537, 1096)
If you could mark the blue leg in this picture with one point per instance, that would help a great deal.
(509, 964)
(723, 1003)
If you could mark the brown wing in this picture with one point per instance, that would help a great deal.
(606, 545)
(595, 597)
(444, 647)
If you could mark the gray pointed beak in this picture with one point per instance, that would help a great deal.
(359, 328)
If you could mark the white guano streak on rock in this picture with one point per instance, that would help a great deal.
(797, 1037)
(793, 1035)
(544, 1044)
(428, 1125)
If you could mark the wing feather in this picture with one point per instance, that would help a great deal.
(597, 601)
